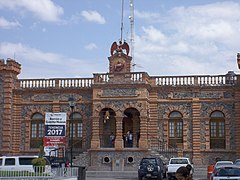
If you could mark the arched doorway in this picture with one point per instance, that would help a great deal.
(131, 127)
(107, 122)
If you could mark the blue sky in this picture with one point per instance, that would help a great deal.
(72, 38)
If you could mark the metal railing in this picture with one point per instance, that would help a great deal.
(40, 173)
(161, 147)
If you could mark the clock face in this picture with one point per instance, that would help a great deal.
(118, 65)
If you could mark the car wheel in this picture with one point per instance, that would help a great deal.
(140, 177)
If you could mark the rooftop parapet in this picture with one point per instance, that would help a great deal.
(10, 65)
(229, 79)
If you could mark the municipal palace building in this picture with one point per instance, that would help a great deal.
(115, 119)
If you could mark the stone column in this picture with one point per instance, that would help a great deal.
(95, 142)
(143, 132)
(119, 135)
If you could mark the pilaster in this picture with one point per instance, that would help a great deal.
(119, 135)
(196, 131)
(95, 141)
(143, 142)
(16, 125)
(153, 115)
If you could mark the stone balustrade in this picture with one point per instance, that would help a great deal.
(56, 83)
(136, 77)
(202, 80)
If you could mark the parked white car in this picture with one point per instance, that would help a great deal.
(20, 163)
(220, 163)
(175, 163)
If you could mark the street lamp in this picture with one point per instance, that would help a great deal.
(71, 102)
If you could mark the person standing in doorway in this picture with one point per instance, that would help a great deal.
(112, 140)
(129, 139)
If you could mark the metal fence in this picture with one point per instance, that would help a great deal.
(55, 173)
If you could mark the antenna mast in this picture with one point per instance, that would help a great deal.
(131, 17)
(122, 21)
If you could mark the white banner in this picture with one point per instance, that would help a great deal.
(55, 118)
(55, 128)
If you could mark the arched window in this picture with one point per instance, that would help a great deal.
(217, 130)
(75, 130)
(175, 130)
(37, 130)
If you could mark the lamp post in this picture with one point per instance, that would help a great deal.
(71, 102)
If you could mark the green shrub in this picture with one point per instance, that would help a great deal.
(39, 162)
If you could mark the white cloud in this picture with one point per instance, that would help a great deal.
(197, 39)
(148, 16)
(5, 24)
(154, 35)
(39, 64)
(91, 46)
(93, 16)
(44, 10)
(26, 52)
(217, 22)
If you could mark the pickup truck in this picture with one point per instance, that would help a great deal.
(175, 163)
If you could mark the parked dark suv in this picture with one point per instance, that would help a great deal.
(151, 168)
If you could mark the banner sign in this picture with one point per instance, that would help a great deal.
(55, 118)
(54, 141)
(55, 129)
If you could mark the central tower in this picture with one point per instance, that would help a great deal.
(119, 61)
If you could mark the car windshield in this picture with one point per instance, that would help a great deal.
(228, 171)
(179, 161)
(152, 161)
(223, 163)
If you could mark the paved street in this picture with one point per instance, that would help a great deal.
(199, 174)
(118, 178)
(125, 178)
(132, 178)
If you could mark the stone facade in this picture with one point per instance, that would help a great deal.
(132, 101)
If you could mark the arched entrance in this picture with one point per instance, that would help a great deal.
(131, 127)
(107, 122)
